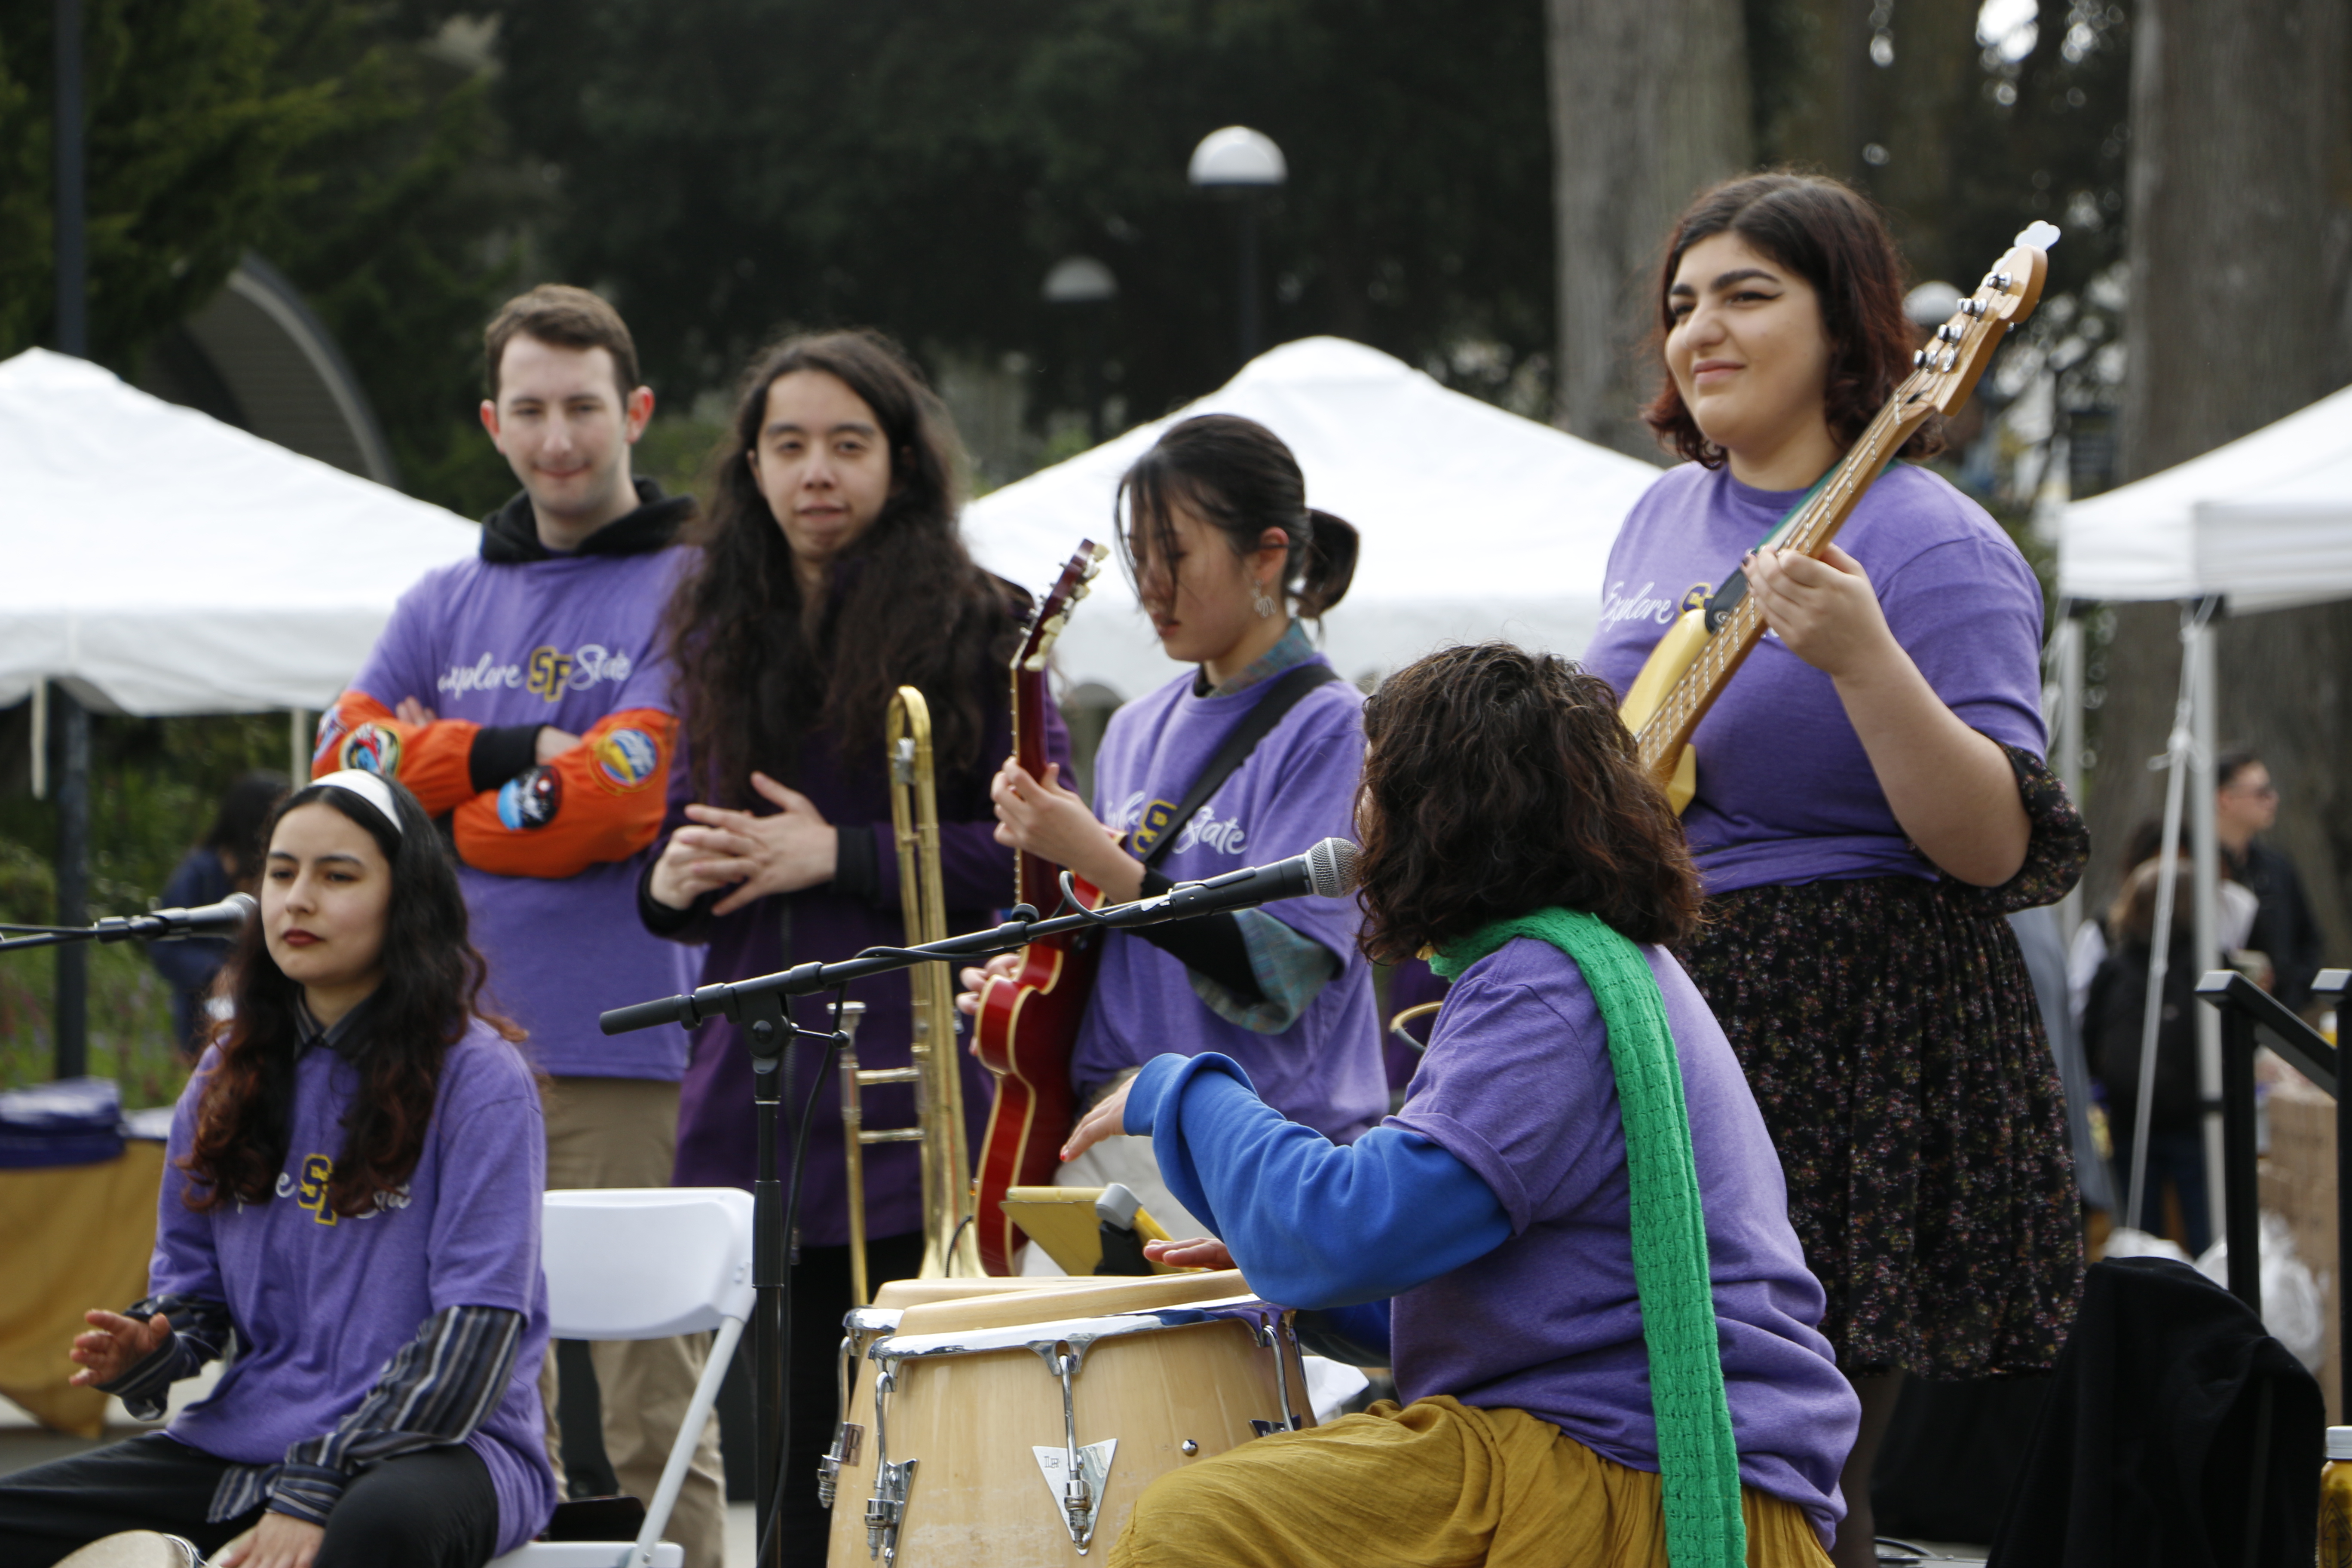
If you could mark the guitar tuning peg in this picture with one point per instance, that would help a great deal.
(1949, 358)
(1919, 358)
(1948, 332)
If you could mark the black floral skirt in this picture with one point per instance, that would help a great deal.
(1889, 1030)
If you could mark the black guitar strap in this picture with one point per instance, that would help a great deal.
(1156, 834)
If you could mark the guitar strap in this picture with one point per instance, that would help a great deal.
(1259, 722)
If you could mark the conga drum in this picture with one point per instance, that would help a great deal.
(134, 1549)
(1018, 1428)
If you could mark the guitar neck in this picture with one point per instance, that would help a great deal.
(1669, 730)
(1036, 882)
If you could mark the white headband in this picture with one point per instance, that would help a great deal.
(371, 788)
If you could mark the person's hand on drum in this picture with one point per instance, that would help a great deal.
(115, 1344)
(1003, 966)
(279, 1540)
(1201, 1252)
(1107, 1119)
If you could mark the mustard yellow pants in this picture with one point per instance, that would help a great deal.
(1430, 1486)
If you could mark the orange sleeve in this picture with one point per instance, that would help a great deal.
(603, 800)
(432, 760)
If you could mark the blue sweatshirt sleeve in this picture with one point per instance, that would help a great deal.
(1313, 1224)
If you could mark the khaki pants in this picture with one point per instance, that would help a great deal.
(1434, 1484)
(623, 1133)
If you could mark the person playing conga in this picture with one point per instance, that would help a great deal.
(352, 1189)
(1571, 1243)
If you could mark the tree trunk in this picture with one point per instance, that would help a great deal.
(2238, 213)
(1649, 104)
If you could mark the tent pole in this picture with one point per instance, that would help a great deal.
(41, 739)
(70, 1015)
(2198, 649)
(2066, 740)
(297, 745)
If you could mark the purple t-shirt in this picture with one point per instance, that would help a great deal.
(1297, 789)
(1518, 1086)
(322, 1303)
(565, 642)
(1786, 793)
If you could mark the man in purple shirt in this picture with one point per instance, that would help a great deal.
(523, 696)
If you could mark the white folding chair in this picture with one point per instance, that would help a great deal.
(646, 1263)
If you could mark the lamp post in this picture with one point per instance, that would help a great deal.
(1087, 287)
(1240, 163)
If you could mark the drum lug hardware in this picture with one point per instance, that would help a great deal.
(1266, 1428)
(1075, 1476)
(887, 1509)
(848, 1440)
(1189, 1448)
(1271, 1335)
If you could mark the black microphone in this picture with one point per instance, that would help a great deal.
(224, 919)
(1326, 872)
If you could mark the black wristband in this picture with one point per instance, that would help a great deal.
(1211, 947)
(659, 919)
(500, 752)
(857, 864)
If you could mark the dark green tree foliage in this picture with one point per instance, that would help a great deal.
(734, 168)
(187, 138)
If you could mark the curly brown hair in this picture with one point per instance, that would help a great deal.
(1831, 236)
(1499, 782)
(909, 607)
(432, 988)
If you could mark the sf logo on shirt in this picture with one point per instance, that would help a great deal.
(310, 1191)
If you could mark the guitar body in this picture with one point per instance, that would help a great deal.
(1027, 1025)
(1675, 652)
(1024, 1032)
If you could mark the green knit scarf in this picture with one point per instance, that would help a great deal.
(1698, 1464)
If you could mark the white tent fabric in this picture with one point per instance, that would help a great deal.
(2266, 519)
(1477, 524)
(163, 562)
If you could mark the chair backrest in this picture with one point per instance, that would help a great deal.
(645, 1263)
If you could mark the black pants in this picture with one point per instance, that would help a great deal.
(431, 1510)
(820, 1301)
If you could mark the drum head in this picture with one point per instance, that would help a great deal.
(134, 1549)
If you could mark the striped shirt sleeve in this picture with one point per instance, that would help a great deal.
(200, 1331)
(442, 1385)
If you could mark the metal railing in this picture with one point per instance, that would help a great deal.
(2251, 1017)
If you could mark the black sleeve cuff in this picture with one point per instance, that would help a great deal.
(857, 866)
(500, 752)
(1210, 946)
(690, 924)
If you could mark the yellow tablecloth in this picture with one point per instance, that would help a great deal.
(71, 1237)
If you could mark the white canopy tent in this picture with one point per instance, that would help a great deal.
(2263, 523)
(160, 561)
(1477, 524)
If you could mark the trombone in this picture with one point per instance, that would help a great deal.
(949, 1245)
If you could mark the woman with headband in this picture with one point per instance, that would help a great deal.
(353, 1190)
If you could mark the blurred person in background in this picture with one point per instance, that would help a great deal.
(2245, 804)
(227, 860)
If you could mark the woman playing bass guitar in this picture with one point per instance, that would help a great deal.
(1870, 799)
(1229, 562)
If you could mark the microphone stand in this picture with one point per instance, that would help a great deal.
(114, 928)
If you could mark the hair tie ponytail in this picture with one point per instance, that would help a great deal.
(1327, 564)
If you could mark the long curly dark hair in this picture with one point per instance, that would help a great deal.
(1238, 477)
(1498, 781)
(908, 606)
(432, 988)
(1827, 233)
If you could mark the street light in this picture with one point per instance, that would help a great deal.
(1240, 163)
(1087, 287)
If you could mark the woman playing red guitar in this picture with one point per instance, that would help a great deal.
(1226, 558)
(1872, 797)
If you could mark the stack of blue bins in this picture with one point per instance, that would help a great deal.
(73, 1122)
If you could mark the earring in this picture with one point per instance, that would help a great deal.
(1264, 605)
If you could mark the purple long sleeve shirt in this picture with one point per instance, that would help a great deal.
(718, 1130)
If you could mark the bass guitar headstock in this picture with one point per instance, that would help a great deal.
(1945, 370)
(1054, 609)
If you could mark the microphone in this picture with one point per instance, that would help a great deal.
(224, 919)
(1326, 872)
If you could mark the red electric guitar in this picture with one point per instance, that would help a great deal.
(1028, 1025)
